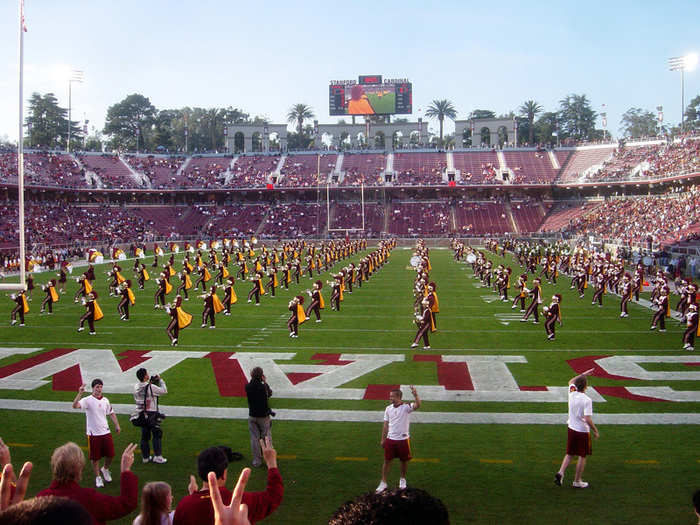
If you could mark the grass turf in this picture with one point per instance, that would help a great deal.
(483, 473)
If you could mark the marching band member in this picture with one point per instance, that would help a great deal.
(553, 314)
(185, 283)
(286, 276)
(434, 304)
(297, 270)
(230, 297)
(84, 288)
(143, 276)
(204, 276)
(62, 278)
(93, 312)
(317, 302)
(179, 320)
(272, 283)
(351, 273)
(22, 308)
(222, 273)
(522, 286)
(600, 280)
(425, 325)
(297, 317)
(51, 296)
(536, 294)
(335, 292)
(212, 306)
(161, 290)
(691, 320)
(258, 288)
(625, 293)
(127, 296)
(661, 311)
(30, 286)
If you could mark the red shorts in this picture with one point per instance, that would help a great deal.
(397, 449)
(100, 447)
(578, 443)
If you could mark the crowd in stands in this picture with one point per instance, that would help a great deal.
(252, 171)
(481, 218)
(161, 172)
(304, 171)
(111, 171)
(367, 169)
(658, 219)
(43, 169)
(294, 221)
(205, 172)
(650, 161)
(418, 219)
(419, 169)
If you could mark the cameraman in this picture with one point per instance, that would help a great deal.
(258, 392)
(146, 393)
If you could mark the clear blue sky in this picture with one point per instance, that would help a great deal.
(262, 57)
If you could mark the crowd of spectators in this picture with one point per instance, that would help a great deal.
(252, 171)
(304, 171)
(43, 169)
(419, 169)
(418, 219)
(651, 161)
(161, 172)
(110, 170)
(205, 172)
(650, 220)
(294, 221)
(367, 169)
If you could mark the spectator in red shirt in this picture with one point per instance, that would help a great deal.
(197, 509)
(67, 463)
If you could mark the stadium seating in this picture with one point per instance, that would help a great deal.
(582, 160)
(110, 170)
(417, 219)
(530, 167)
(205, 172)
(419, 169)
(528, 216)
(294, 221)
(363, 168)
(481, 218)
(476, 167)
(303, 171)
(349, 215)
(161, 171)
(252, 171)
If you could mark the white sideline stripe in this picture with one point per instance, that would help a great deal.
(377, 348)
(367, 416)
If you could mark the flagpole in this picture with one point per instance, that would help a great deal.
(20, 149)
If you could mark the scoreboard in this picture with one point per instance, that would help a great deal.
(370, 95)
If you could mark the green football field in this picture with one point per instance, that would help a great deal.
(487, 440)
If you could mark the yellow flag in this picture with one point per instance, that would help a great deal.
(98, 312)
(183, 318)
(301, 315)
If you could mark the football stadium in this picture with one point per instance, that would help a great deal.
(421, 307)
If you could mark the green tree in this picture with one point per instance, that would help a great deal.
(439, 109)
(577, 118)
(637, 122)
(482, 113)
(546, 126)
(299, 113)
(692, 114)
(130, 123)
(530, 109)
(47, 123)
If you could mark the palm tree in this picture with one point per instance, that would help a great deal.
(440, 109)
(529, 110)
(298, 113)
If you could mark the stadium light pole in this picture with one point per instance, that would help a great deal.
(683, 64)
(75, 76)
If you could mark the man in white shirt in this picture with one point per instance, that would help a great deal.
(395, 436)
(100, 444)
(580, 424)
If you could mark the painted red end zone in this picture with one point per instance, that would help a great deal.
(379, 391)
(453, 376)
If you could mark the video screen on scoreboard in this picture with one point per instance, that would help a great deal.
(386, 98)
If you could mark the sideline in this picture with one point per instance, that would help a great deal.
(374, 416)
